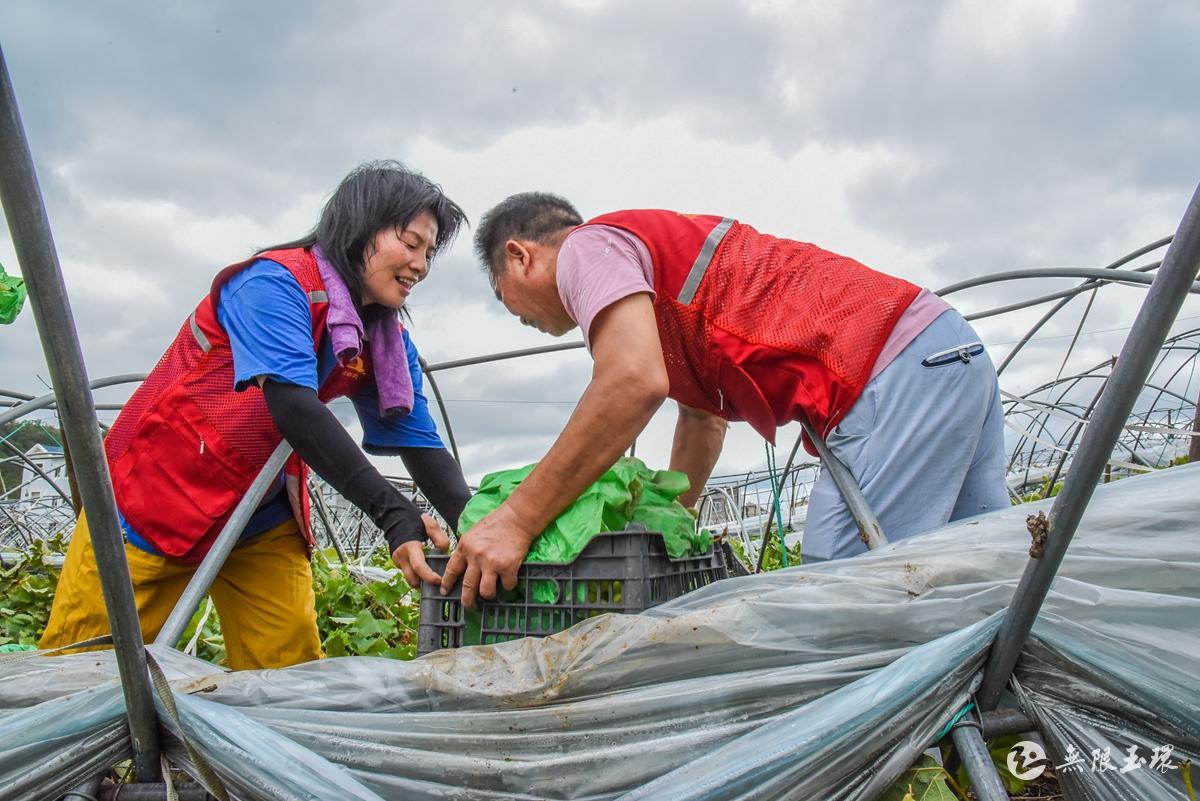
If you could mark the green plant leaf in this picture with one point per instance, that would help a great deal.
(924, 781)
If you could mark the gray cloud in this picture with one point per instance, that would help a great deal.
(173, 139)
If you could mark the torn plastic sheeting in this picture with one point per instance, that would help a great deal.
(541, 760)
(652, 693)
(881, 587)
(30, 679)
(565, 749)
(831, 747)
(1065, 724)
(1150, 662)
(532, 768)
(1097, 693)
(525, 753)
(46, 750)
(254, 761)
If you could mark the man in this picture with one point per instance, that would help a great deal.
(737, 325)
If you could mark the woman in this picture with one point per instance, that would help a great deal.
(277, 337)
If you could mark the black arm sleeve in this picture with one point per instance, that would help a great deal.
(440, 479)
(321, 441)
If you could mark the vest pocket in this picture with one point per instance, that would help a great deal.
(178, 485)
(743, 400)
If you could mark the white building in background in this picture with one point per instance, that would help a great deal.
(53, 463)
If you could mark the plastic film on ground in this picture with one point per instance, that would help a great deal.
(819, 682)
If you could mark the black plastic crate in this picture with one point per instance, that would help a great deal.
(620, 571)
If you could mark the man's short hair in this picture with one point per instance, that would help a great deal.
(535, 216)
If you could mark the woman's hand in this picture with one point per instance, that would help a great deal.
(410, 556)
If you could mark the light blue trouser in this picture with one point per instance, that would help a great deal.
(926, 445)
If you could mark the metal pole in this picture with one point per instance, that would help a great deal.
(437, 396)
(787, 468)
(72, 483)
(151, 792)
(86, 791)
(206, 573)
(1194, 447)
(37, 469)
(496, 357)
(968, 742)
(100, 407)
(34, 244)
(868, 526)
(1065, 294)
(1098, 273)
(1147, 335)
(1005, 721)
(46, 401)
(318, 501)
(1078, 427)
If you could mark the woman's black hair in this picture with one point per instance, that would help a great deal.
(374, 196)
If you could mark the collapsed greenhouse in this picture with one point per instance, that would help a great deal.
(1070, 620)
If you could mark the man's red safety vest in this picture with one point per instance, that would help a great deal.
(186, 447)
(758, 328)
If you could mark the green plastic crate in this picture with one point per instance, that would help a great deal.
(619, 571)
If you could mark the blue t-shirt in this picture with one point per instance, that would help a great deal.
(267, 316)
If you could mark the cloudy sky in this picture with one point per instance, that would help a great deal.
(936, 141)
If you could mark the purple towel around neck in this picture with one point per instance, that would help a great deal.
(386, 337)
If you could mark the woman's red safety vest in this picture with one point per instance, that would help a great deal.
(758, 328)
(186, 447)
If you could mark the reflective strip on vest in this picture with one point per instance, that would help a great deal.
(700, 265)
(201, 340)
(318, 296)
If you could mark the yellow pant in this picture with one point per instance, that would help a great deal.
(263, 594)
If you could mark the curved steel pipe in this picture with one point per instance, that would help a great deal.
(1045, 318)
(1067, 294)
(977, 760)
(868, 525)
(1163, 391)
(1121, 262)
(36, 468)
(1093, 374)
(437, 395)
(100, 407)
(1096, 273)
(496, 357)
(45, 401)
(1142, 251)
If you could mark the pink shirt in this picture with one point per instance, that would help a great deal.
(599, 264)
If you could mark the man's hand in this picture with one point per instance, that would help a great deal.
(629, 383)
(410, 556)
(494, 548)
